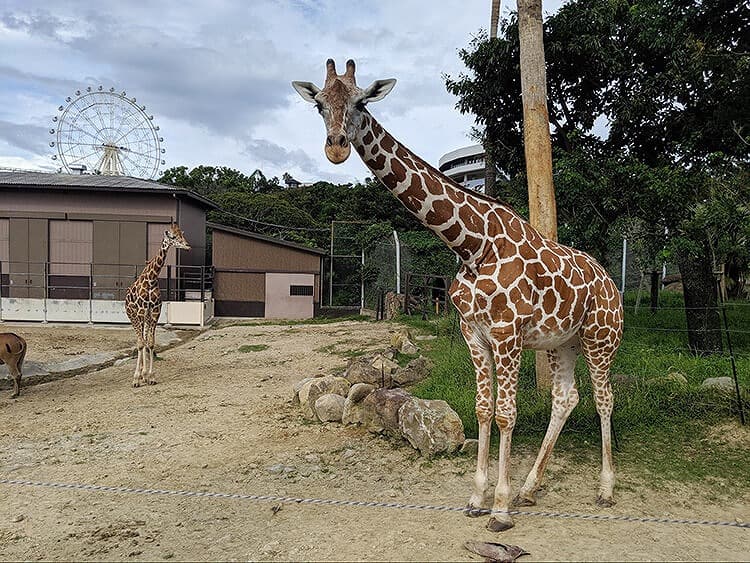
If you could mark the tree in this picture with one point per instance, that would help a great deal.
(671, 78)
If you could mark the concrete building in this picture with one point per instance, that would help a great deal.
(465, 166)
(71, 244)
(260, 276)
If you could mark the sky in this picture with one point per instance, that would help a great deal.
(216, 74)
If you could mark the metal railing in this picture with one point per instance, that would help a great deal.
(67, 280)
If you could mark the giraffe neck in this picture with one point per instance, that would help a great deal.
(455, 215)
(154, 266)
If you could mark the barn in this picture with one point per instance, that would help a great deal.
(260, 276)
(71, 244)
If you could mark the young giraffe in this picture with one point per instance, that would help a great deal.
(514, 290)
(143, 305)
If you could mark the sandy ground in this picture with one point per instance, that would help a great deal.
(219, 419)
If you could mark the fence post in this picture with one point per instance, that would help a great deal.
(91, 293)
(203, 283)
(45, 289)
(1, 291)
(169, 281)
(398, 261)
(624, 263)
(723, 306)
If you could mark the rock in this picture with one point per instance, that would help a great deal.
(432, 427)
(673, 380)
(313, 389)
(367, 369)
(403, 341)
(381, 410)
(329, 407)
(281, 469)
(297, 387)
(122, 361)
(353, 412)
(416, 370)
(470, 447)
(719, 384)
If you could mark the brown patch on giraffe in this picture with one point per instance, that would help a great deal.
(526, 251)
(457, 196)
(368, 138)
(432, 185)
(387, 143)
(440, 213)
(377, 163)
(398, 170)
(510, 271)
(471, 219)
(452, 232)
(549, 302)
(499, 304)
(486, 286)
(550, 260)
(469, 247)
(375, 150)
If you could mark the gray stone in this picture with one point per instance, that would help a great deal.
(403, 341)
(470, 447)
(416, 370)
(313, 389)
(329, 407)
(359, 391)
(367, 369)
(381, 410)
(719, 384)
(297, 387)
(432, 427)
(353, 412)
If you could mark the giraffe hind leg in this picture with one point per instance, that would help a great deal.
(562, 363)
(150, 343)
(599, 358)
(140, 355)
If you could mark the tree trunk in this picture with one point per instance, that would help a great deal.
(701, 313)
(654, 291)
(537, 146)
(494, 18)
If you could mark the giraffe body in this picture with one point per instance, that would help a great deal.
(515, 289)
(143, 306)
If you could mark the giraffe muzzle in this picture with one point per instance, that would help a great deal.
(337, 153)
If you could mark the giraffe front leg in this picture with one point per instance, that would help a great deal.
(507, 348)
(482, 359)
(151, 342)
(137, 372)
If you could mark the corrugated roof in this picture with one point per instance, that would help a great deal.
(240, 232)
(40, 180)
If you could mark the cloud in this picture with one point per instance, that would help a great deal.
(28, 138)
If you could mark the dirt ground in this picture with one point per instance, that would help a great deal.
(222, 420)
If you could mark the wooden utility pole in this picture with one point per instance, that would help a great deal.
(490, 172)
(537, 145)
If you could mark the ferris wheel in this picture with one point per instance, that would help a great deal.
(105, 132)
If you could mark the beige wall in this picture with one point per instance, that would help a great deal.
(281, 305)
(4, 246)
(71, 243)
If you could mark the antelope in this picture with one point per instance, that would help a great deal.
(12, 353)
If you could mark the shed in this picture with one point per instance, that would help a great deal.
(71, 244)
(261, 276)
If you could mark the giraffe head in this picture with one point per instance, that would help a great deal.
(341, 104)
(174, 236)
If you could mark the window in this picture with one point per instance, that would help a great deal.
(301, 290)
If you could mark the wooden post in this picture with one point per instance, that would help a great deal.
(537, 145)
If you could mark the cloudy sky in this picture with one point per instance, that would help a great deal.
(216, 74)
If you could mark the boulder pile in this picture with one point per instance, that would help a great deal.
(368, 394)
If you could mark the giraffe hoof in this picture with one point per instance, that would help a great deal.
(495, 525)
(152, 382)
(524, 501)
(14, 395)
(472, 511)
(605, 502)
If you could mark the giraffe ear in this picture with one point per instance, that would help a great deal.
(378, 90)
(307, 90)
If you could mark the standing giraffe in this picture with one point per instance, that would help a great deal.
(143, 305)
(514, 289)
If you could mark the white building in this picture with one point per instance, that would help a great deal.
(465, 166)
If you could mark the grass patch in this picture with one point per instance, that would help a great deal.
(253, 347)
(663, 429)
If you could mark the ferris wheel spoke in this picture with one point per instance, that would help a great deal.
(84, 114)
(72, 126)
(135, 128)
(80, 158)
(136, 164)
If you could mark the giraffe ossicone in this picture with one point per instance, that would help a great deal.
(515, 289)
(143, 305)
